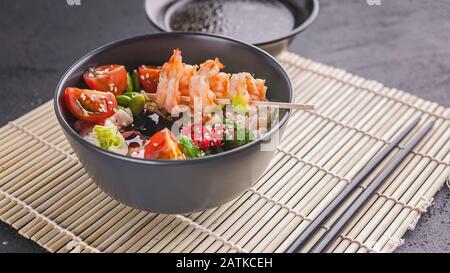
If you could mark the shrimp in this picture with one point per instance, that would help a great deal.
(238, 93)
(220, 85)
(168, 94)
(256, 88)
(200, 84)
(189, 71)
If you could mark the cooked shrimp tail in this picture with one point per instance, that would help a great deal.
(200, 88)
(256, 88)
(239, 95)
(168, 94)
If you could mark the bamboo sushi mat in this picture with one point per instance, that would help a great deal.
(47, 196)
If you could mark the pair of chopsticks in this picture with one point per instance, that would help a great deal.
(282, 105)
(340, 223)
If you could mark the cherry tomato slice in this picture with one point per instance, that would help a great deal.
(163, 145)
(107, 78)
(89, 105)
(149, 78)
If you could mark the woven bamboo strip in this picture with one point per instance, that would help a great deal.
(80, 187)
(405, 197)
(305, 201)
(369, 206)
(72, 186)
(61, 172)
(293, 59)
(419, 169)
(297, 58)
(291, 180)
(53, 140)
(414, 215)
(433, 134)
(66, 210)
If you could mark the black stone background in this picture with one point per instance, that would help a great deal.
(402, 43)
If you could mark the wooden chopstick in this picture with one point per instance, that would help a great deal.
(323, 243)
(282, 105)
(364, 173)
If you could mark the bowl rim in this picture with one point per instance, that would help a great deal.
(306, 24)
(65, 125)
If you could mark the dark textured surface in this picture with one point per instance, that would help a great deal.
(402, 43)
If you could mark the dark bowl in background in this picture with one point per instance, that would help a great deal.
(304, 12)
(176, 186)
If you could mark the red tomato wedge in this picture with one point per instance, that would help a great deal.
(149, 78)
(89, 105)
(163, 145)
(107, 78)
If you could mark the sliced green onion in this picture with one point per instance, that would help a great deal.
(239, 105)
(188, 147)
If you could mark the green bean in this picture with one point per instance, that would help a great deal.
(137, 104)
(136, 83)
(123, 100)
(130, 94)
(129, 87)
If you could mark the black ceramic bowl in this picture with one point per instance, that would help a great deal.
(176, 186)
(270, 25)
